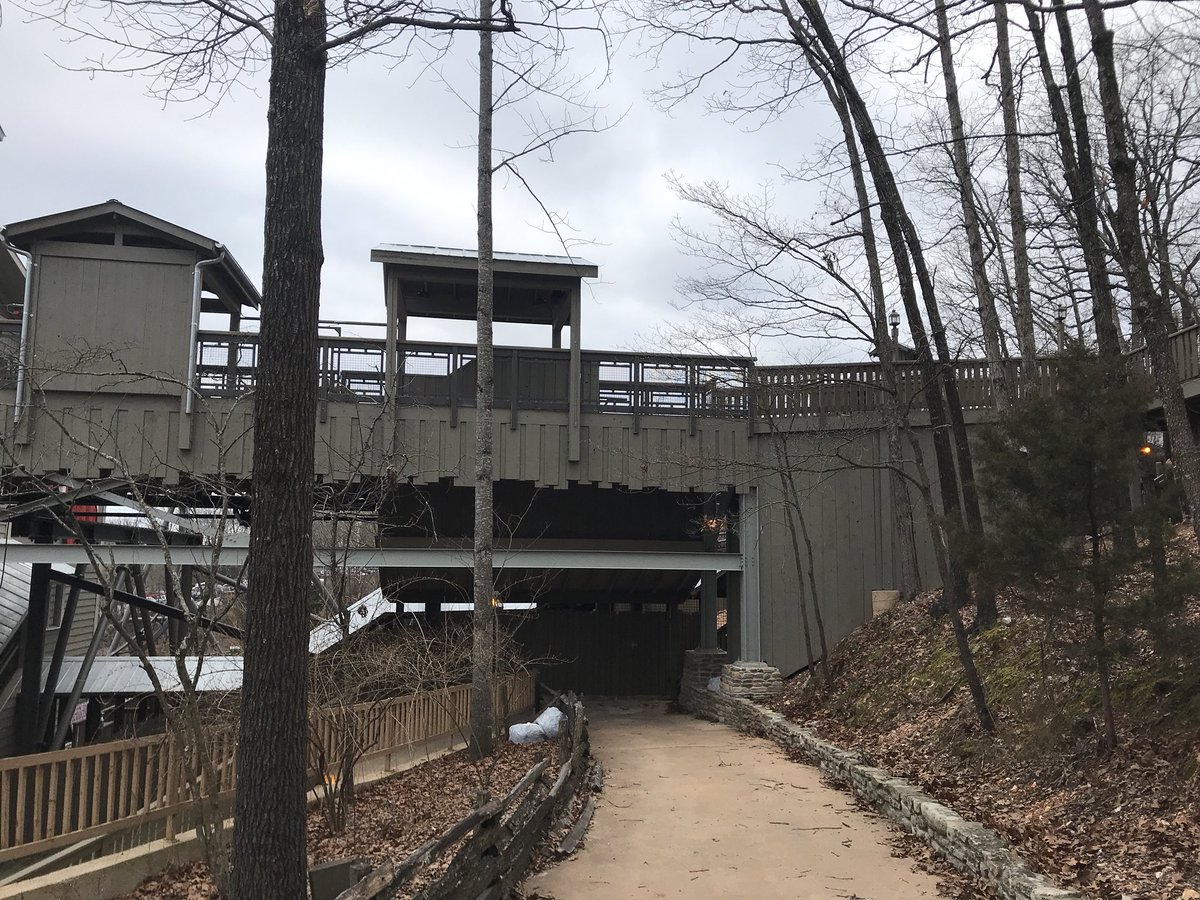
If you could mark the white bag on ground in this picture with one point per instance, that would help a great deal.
(526, 733)
(550, 721)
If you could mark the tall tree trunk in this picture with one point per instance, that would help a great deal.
(1075, 149)
(894, 417)
(827, 54)
(790, 501)
(482, 637)
(985, 299)
(1023, 302)
(269, 857)
(818, 615)
(1153, 315)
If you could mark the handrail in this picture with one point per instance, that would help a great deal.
(435, 373)
(1185, 348)
(430, 373)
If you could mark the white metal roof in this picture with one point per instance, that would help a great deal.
(362, 612)
(125, 674)
(462, 258)
(373, 605)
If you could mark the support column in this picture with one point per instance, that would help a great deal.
(708, 581)
(708, 611)
(574, 398)
(393, 366)
(733, 620)
(751, 647)
(748, 676)
(33, 649)
(391, 293)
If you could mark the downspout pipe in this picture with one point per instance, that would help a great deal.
(197, 284)
(26, 315)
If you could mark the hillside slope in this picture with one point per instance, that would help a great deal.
(1125, 825)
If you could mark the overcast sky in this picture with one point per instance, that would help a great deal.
(399, 167)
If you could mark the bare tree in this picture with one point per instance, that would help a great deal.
(1151, 309)
(482, 714)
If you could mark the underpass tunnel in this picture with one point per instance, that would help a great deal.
(614, 631)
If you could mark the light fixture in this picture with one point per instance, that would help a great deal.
(894, 319)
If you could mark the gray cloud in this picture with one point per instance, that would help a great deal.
(399, 167)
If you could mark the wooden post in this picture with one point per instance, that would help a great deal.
(576, 373)
(234, 353)
(514, 387)
(172, 792)
(452, 379)
(391, 288)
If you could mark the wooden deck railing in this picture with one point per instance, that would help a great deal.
(51, 800)
(436, 374)
(619, 382)
(847, 388)
(1185, 347)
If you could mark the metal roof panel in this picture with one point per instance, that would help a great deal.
(461, 258)
(126, 675)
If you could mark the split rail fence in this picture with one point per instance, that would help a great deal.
(52, 800)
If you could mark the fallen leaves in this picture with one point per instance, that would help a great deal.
(1121, 826)
(390, 819)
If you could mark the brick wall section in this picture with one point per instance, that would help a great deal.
(968, 846)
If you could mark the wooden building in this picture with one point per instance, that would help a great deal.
(623, 479)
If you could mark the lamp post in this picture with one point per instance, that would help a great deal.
(894, 322)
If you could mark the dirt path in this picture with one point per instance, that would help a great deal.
(696, 810)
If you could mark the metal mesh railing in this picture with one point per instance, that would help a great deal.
(354, 369)
(665, 385)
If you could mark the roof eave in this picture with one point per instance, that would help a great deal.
(19, 234)
(468, 261)
(244, 291)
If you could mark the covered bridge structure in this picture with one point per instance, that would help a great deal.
(645, 483)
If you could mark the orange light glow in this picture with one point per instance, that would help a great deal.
(1146, 450)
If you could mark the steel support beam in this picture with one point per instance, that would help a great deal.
(144, 603)
(391, 557)
(67, 622)
(33, 649)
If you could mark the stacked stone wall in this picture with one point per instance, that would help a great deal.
(966, 845)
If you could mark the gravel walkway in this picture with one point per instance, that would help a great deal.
(693, 809)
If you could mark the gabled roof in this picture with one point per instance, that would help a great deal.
(227, 280)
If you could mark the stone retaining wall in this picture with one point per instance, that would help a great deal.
(968, 846)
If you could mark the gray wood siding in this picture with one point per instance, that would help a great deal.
(850, 518)
(139, 434)
(93, 301)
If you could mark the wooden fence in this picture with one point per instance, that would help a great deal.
(51, 800)
(497, 839)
